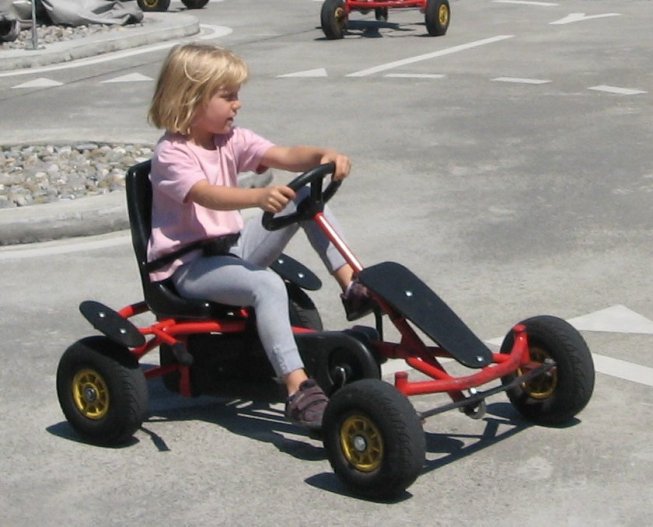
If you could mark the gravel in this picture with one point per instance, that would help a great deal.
(48, 34)
(37, 174)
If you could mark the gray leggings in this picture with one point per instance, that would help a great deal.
(246, 281)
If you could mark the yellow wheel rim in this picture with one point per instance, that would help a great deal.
(542, 386)
(443, 15)
(361, 442)
(90, 394)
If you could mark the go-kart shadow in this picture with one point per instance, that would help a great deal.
(369, 28)
(255, 418)
(458, 446)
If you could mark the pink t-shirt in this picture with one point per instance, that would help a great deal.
(177, 165)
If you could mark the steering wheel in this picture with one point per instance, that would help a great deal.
(310, 205)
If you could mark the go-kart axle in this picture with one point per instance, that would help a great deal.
(478, 397)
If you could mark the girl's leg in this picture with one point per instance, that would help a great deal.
(232, 281)
(262, 247)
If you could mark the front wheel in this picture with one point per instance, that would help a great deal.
(102, 391)
(557, 395)
(333, 18)
(437, 16)
(374, 439)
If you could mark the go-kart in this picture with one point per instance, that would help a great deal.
(334, 16)
(372, 434)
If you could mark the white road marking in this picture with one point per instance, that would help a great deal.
(213, 32)
(580, 17)
(518, 80)
(317, 72)
(41, 82)
(525, 2)
(622, 369)
(130, 77)
(616, 90)
(428, 56)
(415, 75)
(614, 319)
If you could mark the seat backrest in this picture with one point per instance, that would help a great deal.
(161, 297)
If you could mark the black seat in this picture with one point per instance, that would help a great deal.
(160, 297)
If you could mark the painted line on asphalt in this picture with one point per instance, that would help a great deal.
(428, 56)
(526, 2)
(616, 90)
(517, 80)
(415, 75)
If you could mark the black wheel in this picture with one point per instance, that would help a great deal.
(303, 312)
(374, 439)
(153, 5)
(437, 16)
(559, 394)
(333, 18)
(101, 390)
(194, 4)
(381, 14)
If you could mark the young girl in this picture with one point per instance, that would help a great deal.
(196, 197)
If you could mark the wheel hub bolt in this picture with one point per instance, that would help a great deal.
(90, 395)
(360, 444)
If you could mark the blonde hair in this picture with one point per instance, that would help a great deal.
(190, 76)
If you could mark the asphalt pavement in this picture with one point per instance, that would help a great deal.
(507, 165)
(96, 214)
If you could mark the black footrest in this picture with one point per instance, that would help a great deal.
(411, 297)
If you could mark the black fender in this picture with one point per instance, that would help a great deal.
(110, 323)
(295, 272)
(336, 358)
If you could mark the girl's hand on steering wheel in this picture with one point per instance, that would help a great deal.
(274, 199)
(343, 164)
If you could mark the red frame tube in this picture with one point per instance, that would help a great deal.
(374, 4)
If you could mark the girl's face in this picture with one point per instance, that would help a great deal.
(217, 117)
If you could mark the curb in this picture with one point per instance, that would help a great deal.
(157, 27)
(87, 216)
(64, 219)
(90, 215)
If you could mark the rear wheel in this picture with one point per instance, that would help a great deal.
(374, 439)
(102, 391)
(437, 16)
(559, 394)
(303, 312)
(333, 18)
(154, 5)
(194, 4)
